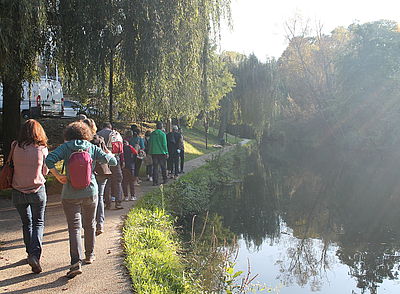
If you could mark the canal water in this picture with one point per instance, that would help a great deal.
(316, 221)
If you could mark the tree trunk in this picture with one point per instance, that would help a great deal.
(224, 112)
(11, 112)
(111, 87)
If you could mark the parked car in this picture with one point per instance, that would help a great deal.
(74, 108)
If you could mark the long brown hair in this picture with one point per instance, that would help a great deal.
(32, 132)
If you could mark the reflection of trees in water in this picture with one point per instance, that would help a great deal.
(305, 263)
(249, 208)
(371, 264)
(354, 202)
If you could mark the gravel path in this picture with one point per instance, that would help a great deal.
(106, 275)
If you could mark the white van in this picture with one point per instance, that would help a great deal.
(40, 98)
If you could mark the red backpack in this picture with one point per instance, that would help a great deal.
(80, 169)
(115, 142)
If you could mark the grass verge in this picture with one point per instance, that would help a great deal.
(151, 243)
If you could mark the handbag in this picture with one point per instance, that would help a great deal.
(7, 172)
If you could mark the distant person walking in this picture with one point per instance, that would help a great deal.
(173, 139)
(102, 172)
(116, 176)
(138, 143)
(159, 153)
(79, 203)
(148, 161)
(181, 147)
(29, 193)
(128, 171)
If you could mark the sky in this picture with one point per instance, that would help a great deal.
(258, 25)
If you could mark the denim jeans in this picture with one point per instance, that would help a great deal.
(101, 182)
(159, 161)
(76, 211)
(31, 209)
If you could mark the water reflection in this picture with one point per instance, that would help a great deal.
(328, 210)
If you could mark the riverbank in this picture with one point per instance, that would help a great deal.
(153, 248)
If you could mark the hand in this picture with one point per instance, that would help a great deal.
(167, 156)
(62, 179)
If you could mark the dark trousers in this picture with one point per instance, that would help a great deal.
(175, 164)
(31, 209)
(127, 182)
(116, 185)
(159, 161)
(138, 164)
(182, 158)
(149, 170)
(76, 212)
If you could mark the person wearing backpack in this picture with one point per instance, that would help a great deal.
(138, 143)
(113, 187)
(29, 193)
(103, 174)
(79, 192)
(128, 171)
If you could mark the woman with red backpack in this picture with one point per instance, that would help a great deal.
(79, 193)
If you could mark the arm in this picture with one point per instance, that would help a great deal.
(102, 157)
(164, 144)
(45, 170)
(61, 178)
(52, 158)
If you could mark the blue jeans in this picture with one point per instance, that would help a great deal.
(31, 209)
(77, 211)
(101, 182)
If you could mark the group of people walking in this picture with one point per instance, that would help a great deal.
(99, 166)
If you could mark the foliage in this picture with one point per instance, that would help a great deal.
(256, 94)
(151, 245)
(22, 36)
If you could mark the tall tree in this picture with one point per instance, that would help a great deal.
(22, 37)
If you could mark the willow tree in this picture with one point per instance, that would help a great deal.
(22, 37)
(159, 43)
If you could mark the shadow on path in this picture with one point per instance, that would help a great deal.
(31, 276)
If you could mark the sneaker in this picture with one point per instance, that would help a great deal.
(90, 259)
(126, 198)
(112, 199)
(74, 270)
(151, 179)
(136, 184)
(33, 261)
(133, 198)
(118, 206)
(99, 230)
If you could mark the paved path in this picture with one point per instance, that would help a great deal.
(106, 275)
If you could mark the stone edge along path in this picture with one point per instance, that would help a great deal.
(106, 275)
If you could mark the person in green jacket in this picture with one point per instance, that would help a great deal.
(79, 204)
(159, 153)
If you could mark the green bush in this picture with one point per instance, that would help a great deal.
(151, 243)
